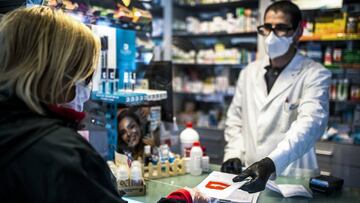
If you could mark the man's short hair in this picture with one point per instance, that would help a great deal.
(288, 8)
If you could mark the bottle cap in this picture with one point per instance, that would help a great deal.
(196, 144)
(189, 125)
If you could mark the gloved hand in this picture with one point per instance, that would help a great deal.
(259, 172)
(232, 166)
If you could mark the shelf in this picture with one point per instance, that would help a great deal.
(157, 37)
(220, 6)
(347, 102)
(344, 67)
(235, 66)
(215, 129)
(331, 37)
(207, 98)
(215, 35)
(131, 98)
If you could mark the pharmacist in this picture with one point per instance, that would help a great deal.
(280, 108)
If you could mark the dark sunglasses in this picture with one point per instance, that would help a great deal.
(279, 29)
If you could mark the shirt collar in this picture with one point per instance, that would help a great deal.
(267, 64)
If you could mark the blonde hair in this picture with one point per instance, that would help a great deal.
(43, 53)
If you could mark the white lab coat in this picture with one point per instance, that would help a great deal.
(283, 125)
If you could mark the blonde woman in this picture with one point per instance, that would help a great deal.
(46, 63)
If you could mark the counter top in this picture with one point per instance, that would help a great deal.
(156, 189)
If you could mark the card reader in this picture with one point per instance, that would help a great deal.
(325, 184)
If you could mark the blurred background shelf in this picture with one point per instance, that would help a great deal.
(331, 37)
(217, 6)
(196, 65)
(215, 35)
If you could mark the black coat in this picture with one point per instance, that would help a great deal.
(43, 160)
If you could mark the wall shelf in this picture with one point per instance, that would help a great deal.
(217, 6)
(347, 102)
(215, 35)
(234, 66)
(331, 37)
(344, 67)
(130, 98)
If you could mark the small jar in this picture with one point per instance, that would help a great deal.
(351, 26)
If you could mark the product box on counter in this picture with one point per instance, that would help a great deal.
(134, 190)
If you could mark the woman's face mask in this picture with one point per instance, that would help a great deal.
(82, 94)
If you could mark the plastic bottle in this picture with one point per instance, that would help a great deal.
(164, 153)
(147, 154)
(240, 20)
(187, 137)
(205, 163)
(123, 176)
(136, 174)
(196, 154)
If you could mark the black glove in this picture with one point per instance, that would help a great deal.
(231, 166)
(259, 172)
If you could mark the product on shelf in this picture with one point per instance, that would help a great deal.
(199, 2)
(335, 23)
(123, 13)
(355, 93)
(351, 26)
(333, 57)
(141, 16)
(342, 90)
(328, 57)
(245, 21)
(181, 56)
(211, 85)
(157, 27)
(328, 24)
(213, 118)
(218, 55)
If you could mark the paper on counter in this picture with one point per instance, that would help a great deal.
(219, 185)
(289, 190)
(240, 196)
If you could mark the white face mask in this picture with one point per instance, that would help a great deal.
(277, 46)
(82, 94)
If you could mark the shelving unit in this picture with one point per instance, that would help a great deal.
(216, 35)
(111, 99)
(209, 100)
(195, 65)
(216, 6)
(347, 102)
(331, 37)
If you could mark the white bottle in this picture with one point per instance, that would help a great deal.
(123, 176)
(196, 154)
(136, 174)
(205, 163)
(187, 137)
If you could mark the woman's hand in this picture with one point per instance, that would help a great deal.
(197, 196)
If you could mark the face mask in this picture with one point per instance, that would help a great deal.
(277, 46)
(82, 94)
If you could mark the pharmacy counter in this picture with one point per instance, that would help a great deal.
(156, 189)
